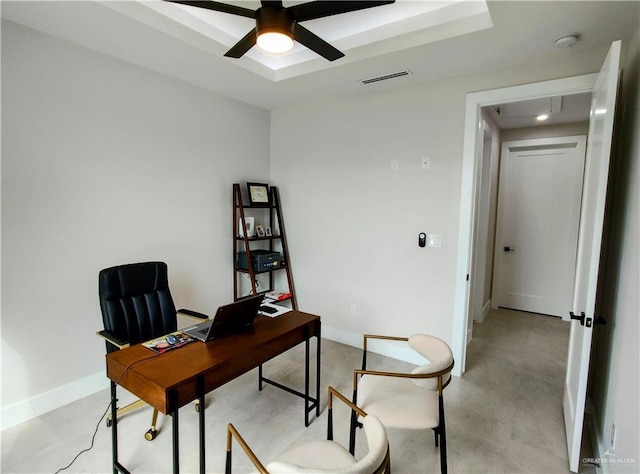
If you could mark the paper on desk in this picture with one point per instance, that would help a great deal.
(277, 309)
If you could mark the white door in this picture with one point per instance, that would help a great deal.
(480, 291)
(537, 226)
(589, 242)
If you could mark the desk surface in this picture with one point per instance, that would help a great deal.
(170, 380)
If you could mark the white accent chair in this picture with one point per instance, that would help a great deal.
(411, 400)
(324, 457)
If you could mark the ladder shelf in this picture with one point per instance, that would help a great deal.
(262, 259)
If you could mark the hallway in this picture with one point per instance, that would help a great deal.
(512, 394)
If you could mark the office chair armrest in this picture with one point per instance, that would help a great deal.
(429, 375)
(233, 433)
(355, 410)
(112, 339)
(345, 400)
(379, 336)
(192, 314)
(376, 336)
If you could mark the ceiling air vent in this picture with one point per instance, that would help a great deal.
(386, 77)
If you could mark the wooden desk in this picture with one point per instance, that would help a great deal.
(171, 380)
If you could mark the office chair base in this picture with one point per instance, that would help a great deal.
(153, 432)
(126, 409)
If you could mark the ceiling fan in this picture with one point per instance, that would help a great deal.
(278, 26)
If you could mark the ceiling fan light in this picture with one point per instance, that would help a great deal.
(275, 41)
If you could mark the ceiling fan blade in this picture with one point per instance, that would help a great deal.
(242, 46)
(218, 7)
(315, 43)
(323, 8)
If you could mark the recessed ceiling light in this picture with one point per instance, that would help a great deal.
(566, 41)
(542, 117)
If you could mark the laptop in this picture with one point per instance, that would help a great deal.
(230, 318)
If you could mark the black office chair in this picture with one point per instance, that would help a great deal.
(137, 306)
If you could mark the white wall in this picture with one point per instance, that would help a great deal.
(105, 163)
(615, 378)
(545, 131)
(353, 224)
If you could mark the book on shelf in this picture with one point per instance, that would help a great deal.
(276, 295)
(161, 344)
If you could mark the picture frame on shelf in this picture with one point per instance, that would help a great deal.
(260, 232)
(249, 224)
(258, 194)
(267, 231)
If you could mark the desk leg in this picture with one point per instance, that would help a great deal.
(260, 378)
(114, 429)
(175, 426)
(318, 372)
(306, 382)
(201, 422)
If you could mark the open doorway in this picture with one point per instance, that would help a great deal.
(528, 211)
(474, 140)
(604, 86)
(526, 340)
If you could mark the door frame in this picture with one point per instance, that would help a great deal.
(470, 180)
(479, 307)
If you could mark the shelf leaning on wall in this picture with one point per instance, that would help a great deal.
(260, 252)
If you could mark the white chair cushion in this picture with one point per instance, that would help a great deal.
(324, 457)
(398, 402)
(378, 444)
(317, 457)
(439, 357)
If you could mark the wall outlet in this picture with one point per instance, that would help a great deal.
(353, 310)
(426, 162)
(395, 164)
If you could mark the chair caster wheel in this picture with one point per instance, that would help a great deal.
(151, 434)
(109, 422)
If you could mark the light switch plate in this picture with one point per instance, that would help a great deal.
(434, 240)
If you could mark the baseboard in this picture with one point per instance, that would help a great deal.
(485, 310)
(33, 407)
(25, 410)
(391, 349)
(479, 317)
